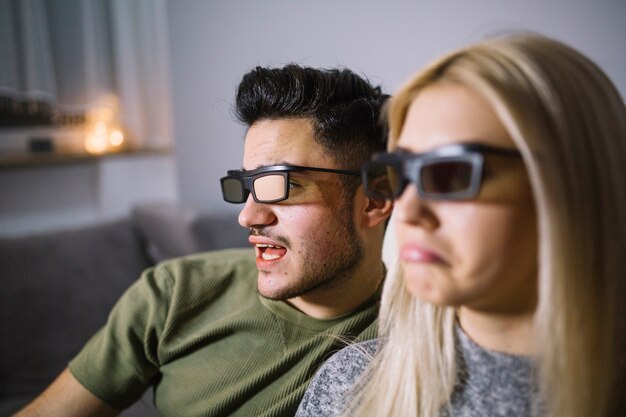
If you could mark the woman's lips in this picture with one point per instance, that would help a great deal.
(419, 254)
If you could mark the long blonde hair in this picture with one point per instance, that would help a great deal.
(569, 123)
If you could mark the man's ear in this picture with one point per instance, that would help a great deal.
(374, 212)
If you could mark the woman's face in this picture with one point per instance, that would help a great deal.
(480, 253)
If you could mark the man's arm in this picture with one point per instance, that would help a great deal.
(66, 397)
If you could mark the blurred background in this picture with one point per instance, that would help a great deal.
(116, 124)
(107, 104)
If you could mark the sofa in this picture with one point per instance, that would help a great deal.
(58, 287)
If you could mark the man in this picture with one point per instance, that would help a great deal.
(196, 328)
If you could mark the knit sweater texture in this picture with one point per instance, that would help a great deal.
(488, 383)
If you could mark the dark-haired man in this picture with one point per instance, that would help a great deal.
(196, 328)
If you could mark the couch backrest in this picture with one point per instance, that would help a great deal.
(170, 230)
(56, 291)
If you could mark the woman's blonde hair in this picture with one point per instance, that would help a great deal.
(569, 123)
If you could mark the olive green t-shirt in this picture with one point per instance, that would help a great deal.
(196, 329)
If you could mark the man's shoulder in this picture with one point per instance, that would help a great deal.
(206, 270)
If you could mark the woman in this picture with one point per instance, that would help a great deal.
(508, 165)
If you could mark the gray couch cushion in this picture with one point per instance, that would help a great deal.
(171, 230)
(57, 290)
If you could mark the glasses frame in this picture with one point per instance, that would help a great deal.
(409, 167)
(247, 178)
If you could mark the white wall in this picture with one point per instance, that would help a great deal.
(213, 43)
(37, 199)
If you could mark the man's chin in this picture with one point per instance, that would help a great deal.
(277, 295)
(267, 286)
(285, 292)
(273, 297)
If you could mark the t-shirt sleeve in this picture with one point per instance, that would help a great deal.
(121, 360)
(330, 390)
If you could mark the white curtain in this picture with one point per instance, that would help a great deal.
(26, 53)
(140, 40)
(71, 55)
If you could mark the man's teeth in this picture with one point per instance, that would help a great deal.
(268, 257)
(264, 253)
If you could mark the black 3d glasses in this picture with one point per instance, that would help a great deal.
(452, 172)
(268, 184)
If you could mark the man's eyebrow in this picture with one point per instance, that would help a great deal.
(268, 165)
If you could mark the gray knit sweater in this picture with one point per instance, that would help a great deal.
(488, 383)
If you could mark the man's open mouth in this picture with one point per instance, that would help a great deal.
(270, 252)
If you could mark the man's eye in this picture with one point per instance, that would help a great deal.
(293, 184)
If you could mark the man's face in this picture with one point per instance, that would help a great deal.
(308, 241)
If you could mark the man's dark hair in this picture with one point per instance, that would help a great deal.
(343, 107)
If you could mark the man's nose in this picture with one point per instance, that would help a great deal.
(255, 214)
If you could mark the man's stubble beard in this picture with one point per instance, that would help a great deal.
(340, 267)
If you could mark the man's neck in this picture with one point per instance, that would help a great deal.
(342, 297)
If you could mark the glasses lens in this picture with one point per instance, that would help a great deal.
(270, 188)
(446, 177)
(382, 181)
(232, 189)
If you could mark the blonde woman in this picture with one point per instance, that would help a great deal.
(508, 166)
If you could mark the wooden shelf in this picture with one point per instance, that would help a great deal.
(14, 161)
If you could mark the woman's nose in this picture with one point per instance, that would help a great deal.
(412, 210)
